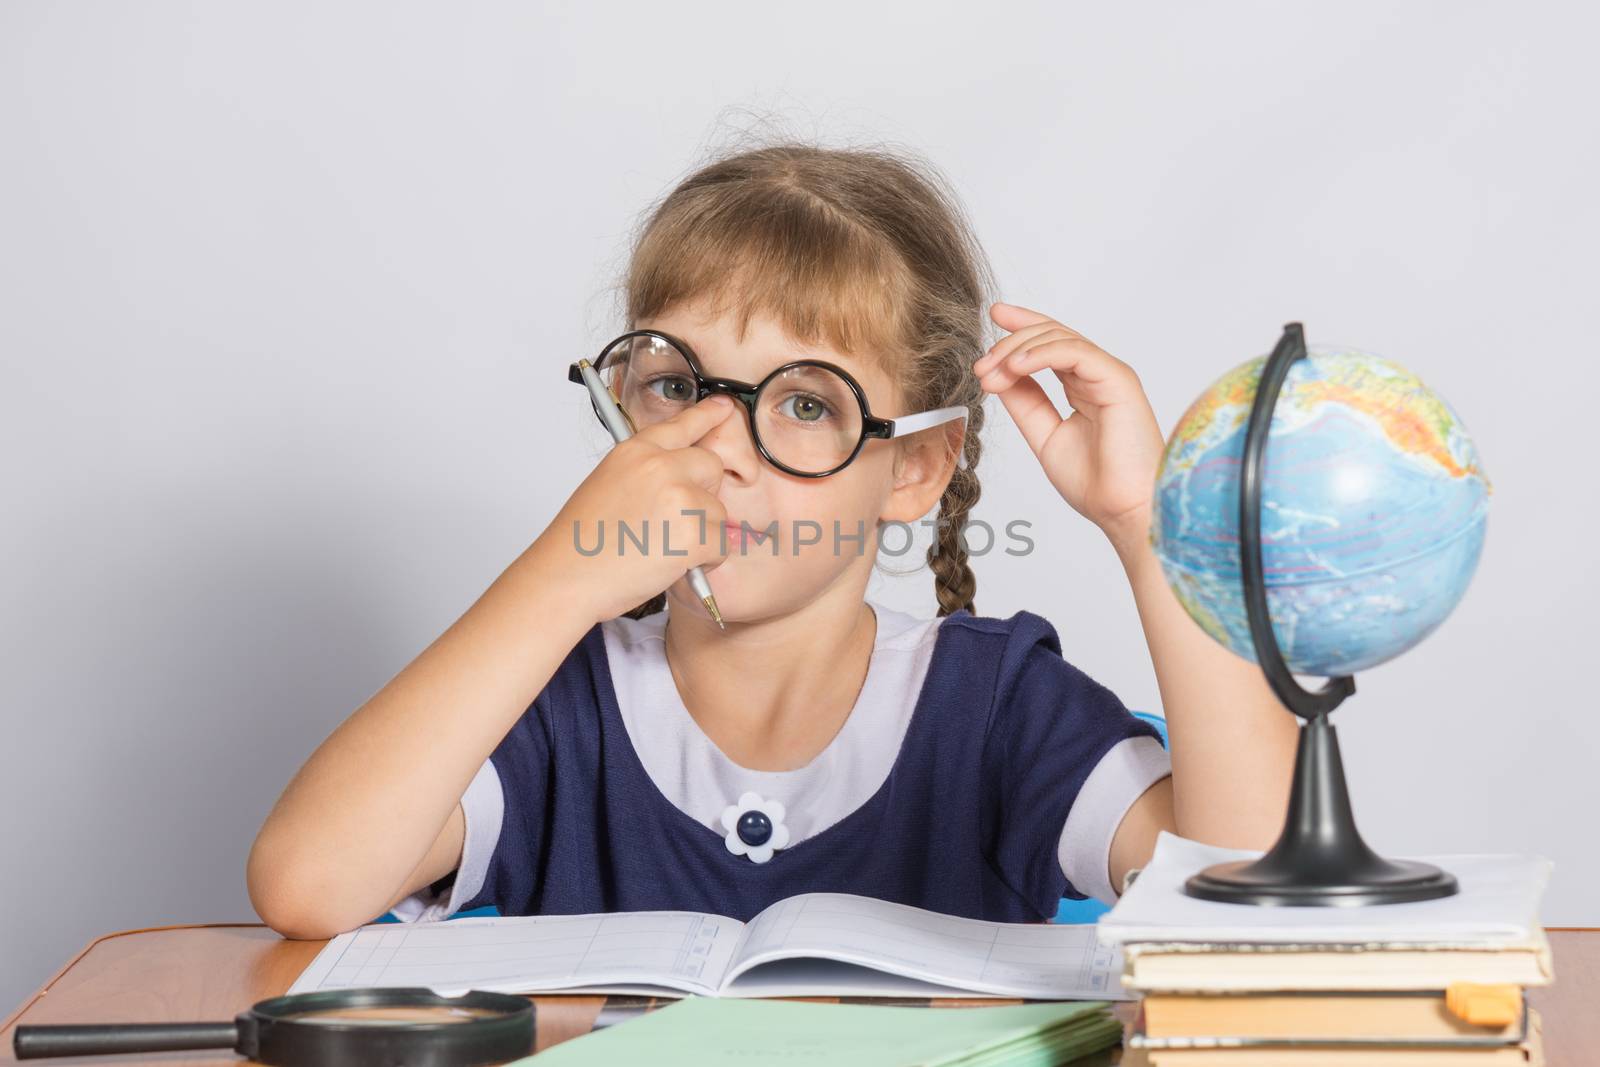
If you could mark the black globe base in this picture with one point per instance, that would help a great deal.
(1320, 859)
(1387, 882)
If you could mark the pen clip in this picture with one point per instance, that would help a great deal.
(575, 374)
(625, 416)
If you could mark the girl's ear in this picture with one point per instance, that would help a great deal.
(922, 469)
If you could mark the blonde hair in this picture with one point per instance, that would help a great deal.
(866, 249)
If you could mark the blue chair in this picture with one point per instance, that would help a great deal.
(487, 909)
(1090, 909)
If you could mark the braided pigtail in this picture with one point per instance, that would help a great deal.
(953, 581)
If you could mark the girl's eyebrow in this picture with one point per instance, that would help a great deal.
(838, 359)
(791, 355)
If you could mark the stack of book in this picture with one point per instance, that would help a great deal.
(1438, 982)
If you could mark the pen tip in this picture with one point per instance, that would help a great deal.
(711, 606)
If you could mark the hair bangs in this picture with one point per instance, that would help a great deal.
(780, 252)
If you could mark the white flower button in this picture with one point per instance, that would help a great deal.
(755, 827)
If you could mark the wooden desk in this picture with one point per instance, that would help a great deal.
(212, 972)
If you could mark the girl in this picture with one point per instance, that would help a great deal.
(580, 741)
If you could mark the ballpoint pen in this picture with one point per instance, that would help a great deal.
(621, 428)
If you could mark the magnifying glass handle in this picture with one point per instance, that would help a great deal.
(35, 1042)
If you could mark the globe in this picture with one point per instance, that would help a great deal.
(1373, 511)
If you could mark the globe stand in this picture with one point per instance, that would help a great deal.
(1320, 859)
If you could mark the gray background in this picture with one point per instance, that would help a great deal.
(287, 293)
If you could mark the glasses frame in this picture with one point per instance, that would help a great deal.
(872, 427)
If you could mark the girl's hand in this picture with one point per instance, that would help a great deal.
(649, 481)
(1103, 457)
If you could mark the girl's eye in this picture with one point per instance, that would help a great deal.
(673, 388)
(803, 407)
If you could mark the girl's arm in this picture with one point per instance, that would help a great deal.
(1232, 742)
(375, 815)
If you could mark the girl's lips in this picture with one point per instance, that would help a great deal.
(736, 533)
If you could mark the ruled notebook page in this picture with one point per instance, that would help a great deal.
(685, 951)
(1039, 960)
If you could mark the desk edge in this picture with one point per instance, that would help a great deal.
(11, 1019)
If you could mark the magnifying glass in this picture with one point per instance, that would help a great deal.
(388, 1027)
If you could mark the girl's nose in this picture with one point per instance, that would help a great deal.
(731, 440)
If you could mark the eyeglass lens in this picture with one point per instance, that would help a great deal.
(807, 418)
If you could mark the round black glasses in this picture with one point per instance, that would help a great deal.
(808, 417)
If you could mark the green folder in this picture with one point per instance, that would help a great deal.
(710, 1030)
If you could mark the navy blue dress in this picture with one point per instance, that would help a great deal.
(1003, 735)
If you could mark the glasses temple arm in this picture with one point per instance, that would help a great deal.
(909, 424)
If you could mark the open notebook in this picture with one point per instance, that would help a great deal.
(815, 944)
